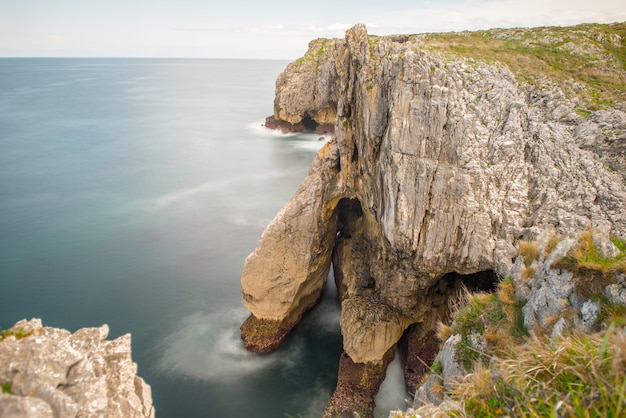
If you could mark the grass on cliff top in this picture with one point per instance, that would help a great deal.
(590, 55)
(18, 333)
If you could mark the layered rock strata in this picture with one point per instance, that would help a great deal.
(50, 372)
(438, 167)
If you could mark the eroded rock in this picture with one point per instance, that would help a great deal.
(438, 166)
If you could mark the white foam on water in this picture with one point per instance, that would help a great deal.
(209, 347)
(327, 316)
(210, 186)
(316, 401)
(305, 141)
(392, 393)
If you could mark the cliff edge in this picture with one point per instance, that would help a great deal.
(447, 153)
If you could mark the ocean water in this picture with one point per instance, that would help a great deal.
(131, 191)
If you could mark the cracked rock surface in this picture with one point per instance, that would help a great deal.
(50, 372)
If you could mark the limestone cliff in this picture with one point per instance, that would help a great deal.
(50, 372)
(440, 164)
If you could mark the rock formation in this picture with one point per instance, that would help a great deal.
(50, 372)
(439, 166)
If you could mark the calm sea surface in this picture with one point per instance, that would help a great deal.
(131, 191)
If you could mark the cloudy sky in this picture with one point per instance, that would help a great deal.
(257, 29)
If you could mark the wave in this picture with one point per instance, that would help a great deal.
(212, 186)
(209, 347)
(301, 140)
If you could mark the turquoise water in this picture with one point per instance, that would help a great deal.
(131, 192)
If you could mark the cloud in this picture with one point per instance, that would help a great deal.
(478, 14)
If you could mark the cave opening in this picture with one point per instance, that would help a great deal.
(419, 345)
(309, 124)
(482, 281)
(349, 211)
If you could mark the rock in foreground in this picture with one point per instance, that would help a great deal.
(50, 372)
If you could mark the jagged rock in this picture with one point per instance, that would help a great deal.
(549, 292)
(357, 386)
(604, 134)
(439, 165)
(24, 407)
(318, 100)
(589, 312)
(604, 244)
(451, 369)
(431, 392)
(440, 382)
(52, 372)
(616, 292)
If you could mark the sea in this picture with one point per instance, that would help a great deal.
(131, 192)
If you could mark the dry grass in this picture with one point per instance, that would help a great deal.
(494, 316)
(529, 251)
(576, 376)
(553, 241)
(528, 273)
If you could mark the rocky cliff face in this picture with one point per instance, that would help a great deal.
(50, 372)
(438, 167)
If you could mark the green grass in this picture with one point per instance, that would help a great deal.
(6, 387)
(533, 54)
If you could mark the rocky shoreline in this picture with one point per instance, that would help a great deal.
(440, 166)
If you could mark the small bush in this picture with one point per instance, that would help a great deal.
(18, 333)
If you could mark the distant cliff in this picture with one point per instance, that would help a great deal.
(50, 372)
(448, 151)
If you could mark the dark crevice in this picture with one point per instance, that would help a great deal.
(482, 281)
(309, 124)
(348, 211)
(355, 155)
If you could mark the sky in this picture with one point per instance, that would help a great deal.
(268, 29)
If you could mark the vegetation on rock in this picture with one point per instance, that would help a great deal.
(487, 323)
(510, 372)
(588, 60)
(579, 375)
